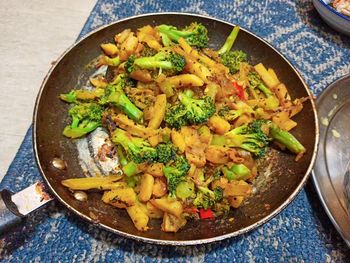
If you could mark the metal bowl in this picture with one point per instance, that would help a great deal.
(331, 174)
(285, 181)
(332, 17)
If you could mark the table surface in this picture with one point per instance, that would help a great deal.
(33, 36)
(301, 233)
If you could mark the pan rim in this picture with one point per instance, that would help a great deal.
(177, 242)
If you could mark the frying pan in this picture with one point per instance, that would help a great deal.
(273, 193)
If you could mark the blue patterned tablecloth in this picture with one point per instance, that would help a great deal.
(302, 232)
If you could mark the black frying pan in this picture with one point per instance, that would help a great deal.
(71, 70)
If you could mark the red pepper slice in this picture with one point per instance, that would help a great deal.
(239, 91)
(206, 213)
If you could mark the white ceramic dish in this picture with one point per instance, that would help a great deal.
(333, 18)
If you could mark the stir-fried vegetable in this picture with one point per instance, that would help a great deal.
(187, 124)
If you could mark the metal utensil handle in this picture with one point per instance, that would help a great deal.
(15, 206)
(9, 215)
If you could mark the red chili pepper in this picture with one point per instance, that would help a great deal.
(239, 90)
(206, 213)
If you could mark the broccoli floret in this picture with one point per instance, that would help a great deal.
(175, 172)
(207, 198)
(129, 64)
(165, 39)
(230, 115)
(169, 61)
(236, 172)
(195, 34)
(82, 95)
(148, 51)
(86, 117)
(114, 94)
(249, 137)
(136, 149)
(70, 97)
(165, 152)
(255, 82)
(233, 60)
(285, 138)
(229, 41)
(176, 116)
(190, 111)
(114, 62)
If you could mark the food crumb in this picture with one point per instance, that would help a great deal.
(231, 219)
(324, 121)
(335, 96)
(335, 133)
(330, 113)
(267, 206)
(93, 216)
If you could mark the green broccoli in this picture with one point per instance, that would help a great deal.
(189, 110)
(86, 117)
(229, 41)
(130, 169)
(175, 172)
(148, 51)
(114, 62)
(255, 82)
(165, 152)
(207, 198)
(136, 149)
(285, 138)
(230, 115)
(236, 172)
(165, 39)
(81, 95)
(195, 34)
(168, 61)
(70, 97)
(115, 95)
(249, 137)
(233, 60)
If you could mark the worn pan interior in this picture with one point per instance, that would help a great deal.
(50, 119)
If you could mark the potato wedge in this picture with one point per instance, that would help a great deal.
(184, 80)
(172, 223)
(168, 205)
(219, 125)
(217, 154)
(159, 187)
(155, 169)
(146, 187)
(109, 49)
(122, 197)
(102, 183)
(269, 80)
(159, 112)
(135, 129)
(237, 188)
(178, 141)
(154, 212)
(139, 216)
(235, 201)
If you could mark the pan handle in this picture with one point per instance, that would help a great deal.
(9, 215)
(13, 207)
